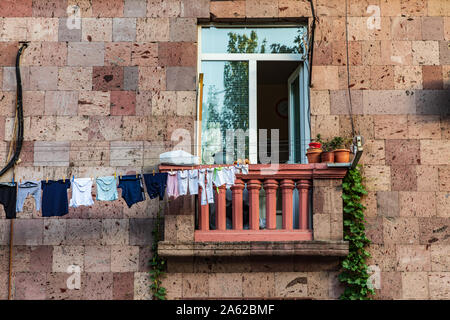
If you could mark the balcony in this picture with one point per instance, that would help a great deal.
(299, 231)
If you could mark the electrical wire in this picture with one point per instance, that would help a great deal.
(311, 45)
(19, 115)
(15, 144)
(348, 71)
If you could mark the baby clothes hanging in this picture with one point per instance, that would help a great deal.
(201, 184)
(81, 192)
(8, 198)
(207, 195)
(132, 189)
(54, 198)
(193, 182)
(230, 176)
(107, 188)
(219, 177)
(156, 184)
(209, 185)
(182, 177)
(241, 168)
(25, 189)
(172, 184)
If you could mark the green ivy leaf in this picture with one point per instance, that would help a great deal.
(354, 269)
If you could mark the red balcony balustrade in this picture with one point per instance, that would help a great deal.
(275, 181)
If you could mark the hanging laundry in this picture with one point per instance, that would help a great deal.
(209, 185)
(230, 176)
(207, 195)
(54, 198)
(182, 177)
(241, 168)
(201, 184)
(193, 182)
(172, 185)
(156, 184)
(8, 197)
(107, 188)
(25, 189)
(219, 177)
(132, 189)
(81, 192)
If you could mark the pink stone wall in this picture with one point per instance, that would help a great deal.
(106, 97)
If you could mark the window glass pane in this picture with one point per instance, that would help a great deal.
(253, 40)
(225, 108)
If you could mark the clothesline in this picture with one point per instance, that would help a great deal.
(51, 196)
(149, 147)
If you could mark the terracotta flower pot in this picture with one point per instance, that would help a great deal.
(313, 155)
(327, 156)
(342, 155)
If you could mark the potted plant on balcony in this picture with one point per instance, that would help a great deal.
(314, 150)
(327, 154)
(341, 147)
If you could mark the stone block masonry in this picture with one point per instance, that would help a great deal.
(104, 94)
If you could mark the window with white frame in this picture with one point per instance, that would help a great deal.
(254, 94)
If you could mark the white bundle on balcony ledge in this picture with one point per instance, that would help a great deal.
(179, 158)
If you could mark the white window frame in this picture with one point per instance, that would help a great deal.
(252, 59)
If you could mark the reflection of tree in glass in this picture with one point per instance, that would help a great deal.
(296, 48)
(211, 141)
(213, 114)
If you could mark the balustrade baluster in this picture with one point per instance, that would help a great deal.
(287, 187)
(270, 186)
(253, 187)
(203, 217)
(303, 187)
(237, 191)
(221, 208)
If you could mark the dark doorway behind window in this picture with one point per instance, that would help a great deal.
(272, 101)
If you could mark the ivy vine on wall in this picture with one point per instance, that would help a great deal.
(157, 263)
(355, 270)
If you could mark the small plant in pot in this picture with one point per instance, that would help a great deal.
(314, 150)
(341, 149)
(327, 154)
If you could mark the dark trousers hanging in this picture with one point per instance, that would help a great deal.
(8, 197)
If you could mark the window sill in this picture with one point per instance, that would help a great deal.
(252, 248)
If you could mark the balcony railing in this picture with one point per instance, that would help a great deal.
(283, 177)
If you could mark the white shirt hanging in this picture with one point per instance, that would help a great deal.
(81, 192)
(182, 177)
(230, 176)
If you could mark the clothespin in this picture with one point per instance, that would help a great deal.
(73, 178)
(20, 181)
(13, 179)
(115, 174)
(136, 175)
(153, 171)
(46, 180)
(64, 179)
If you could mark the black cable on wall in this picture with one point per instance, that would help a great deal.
(311, 46)
(19, 114)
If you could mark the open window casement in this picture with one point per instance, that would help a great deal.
(254, 78)
(299, 116)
